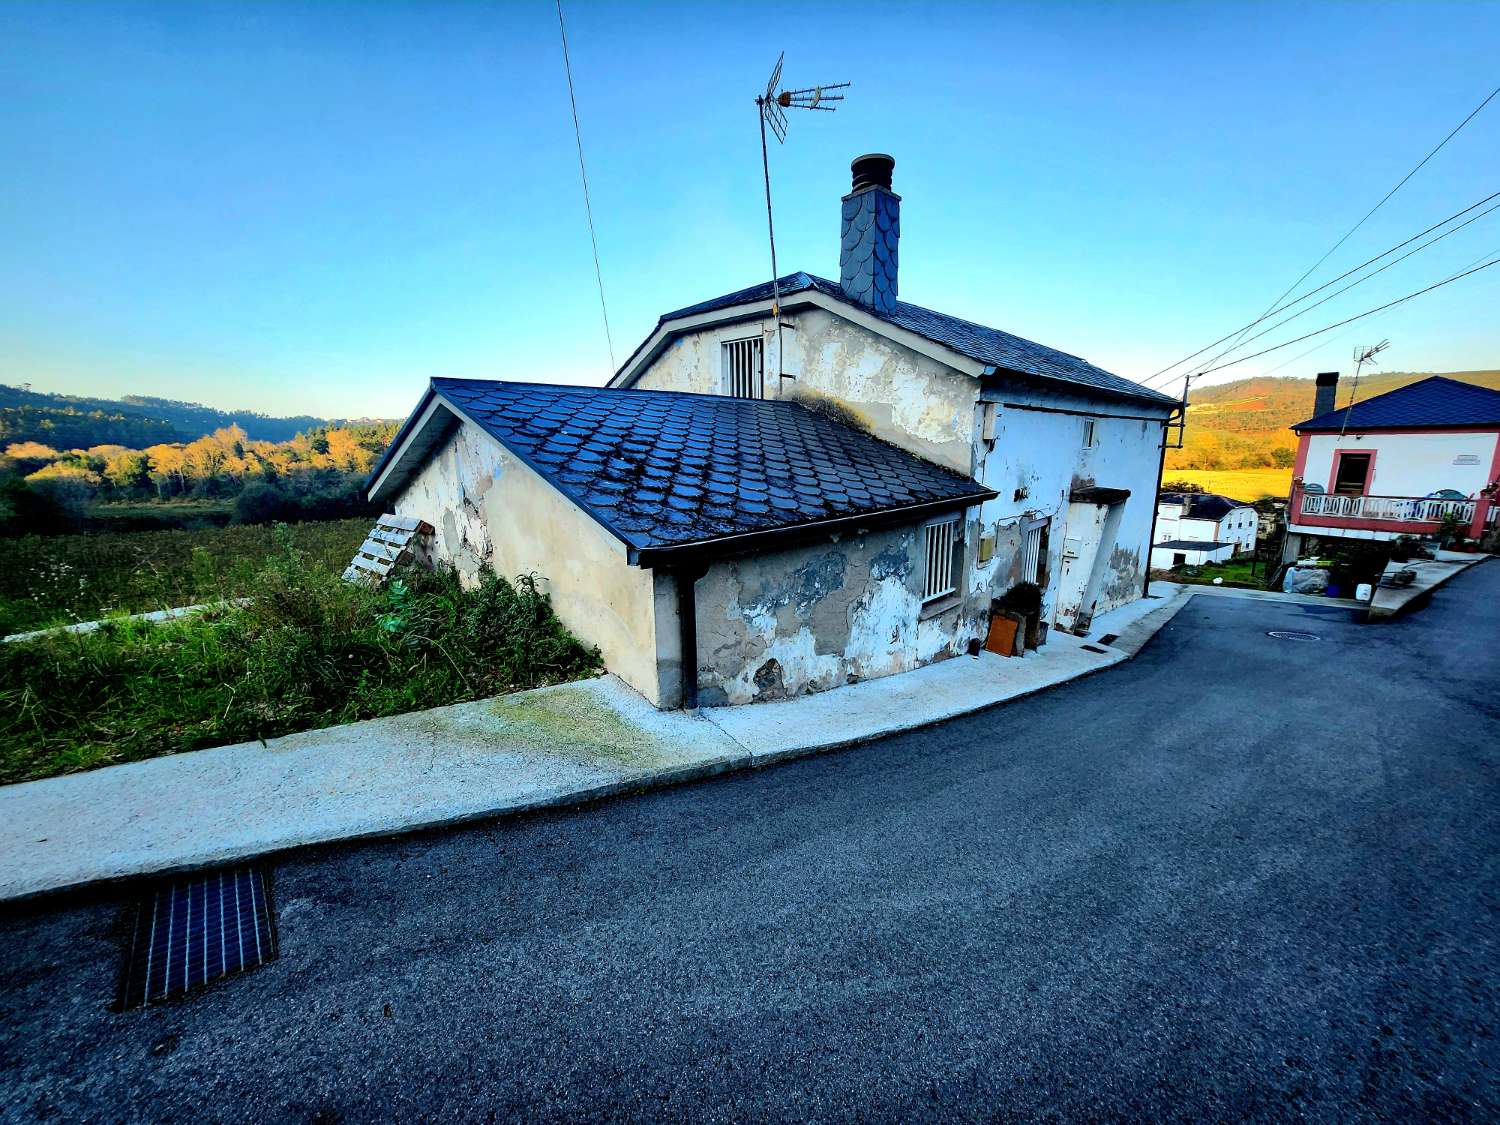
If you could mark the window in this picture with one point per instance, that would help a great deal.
(1088, 433)
(944, 557)
(744, 368)
(1352, 473)
(1034, 552)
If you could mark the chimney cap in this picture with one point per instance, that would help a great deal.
(1327, 378)
(872, 170)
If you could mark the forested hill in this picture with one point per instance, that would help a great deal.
(1249, 405)
(135, 421)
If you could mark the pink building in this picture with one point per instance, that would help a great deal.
(1396, 464)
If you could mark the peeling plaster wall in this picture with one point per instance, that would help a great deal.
(1037, 460)
(818, 616)
(893, 392)
(489, 510)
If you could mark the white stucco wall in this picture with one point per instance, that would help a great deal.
(1164, 558)
(1408, 464)
(491, 511)
(1039, 458)
(890, 390)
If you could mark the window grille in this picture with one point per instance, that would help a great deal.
(1088, 433)
(942, 559)
(744, 368)
(1031, 552)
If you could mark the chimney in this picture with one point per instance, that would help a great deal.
(871, 229)
(1327, 392)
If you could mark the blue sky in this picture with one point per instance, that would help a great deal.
(312, 207)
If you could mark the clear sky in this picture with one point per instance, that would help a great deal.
(312, 207)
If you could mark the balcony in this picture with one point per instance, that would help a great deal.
(1396, 510)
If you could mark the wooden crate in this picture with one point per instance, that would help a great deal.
(392, 540)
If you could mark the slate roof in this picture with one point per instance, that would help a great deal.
(1190, 545)
(1203, 505)
(664, 469)
(981, 344)
(1433, 403)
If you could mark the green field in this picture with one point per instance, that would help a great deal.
(58, 579)
(1237, 484)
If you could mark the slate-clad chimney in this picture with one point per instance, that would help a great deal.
(1326, 392)
(871, 229)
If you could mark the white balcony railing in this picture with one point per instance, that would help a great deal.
(1398, 509)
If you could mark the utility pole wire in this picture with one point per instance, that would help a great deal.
(1351, 285)
(1384, 199)
(1347, 273)
(1359, 316)
(588, 208)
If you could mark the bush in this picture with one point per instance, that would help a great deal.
(262, 503)
(309, 650)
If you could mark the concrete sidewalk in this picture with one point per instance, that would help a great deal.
(1390, 601)
(562, 745)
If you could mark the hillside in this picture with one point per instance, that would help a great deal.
(1244, 424)
(134, 421)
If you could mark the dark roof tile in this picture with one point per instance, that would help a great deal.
(1436, 402)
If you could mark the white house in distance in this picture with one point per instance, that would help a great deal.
(769, 502)
(1193, 528)
(1395, 464)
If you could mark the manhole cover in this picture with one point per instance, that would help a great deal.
(1289, 635)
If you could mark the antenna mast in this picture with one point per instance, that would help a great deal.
(770, 107)
(1362, 356)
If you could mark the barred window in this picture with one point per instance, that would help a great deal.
(744, 368)
(944, 557)
(1034, 552)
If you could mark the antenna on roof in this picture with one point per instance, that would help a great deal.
(772, 106)
(1363, 354)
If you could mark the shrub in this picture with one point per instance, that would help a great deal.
(261, 503)
(309, 650)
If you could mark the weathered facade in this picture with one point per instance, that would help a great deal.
(816, 483)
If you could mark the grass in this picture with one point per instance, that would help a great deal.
(309, 650)
(1234, 573)
(1237, 484)
(59, 579)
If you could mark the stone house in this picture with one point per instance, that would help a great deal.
(765, 502)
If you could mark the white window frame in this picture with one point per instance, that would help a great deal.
(1090, 433)
(941, 541)
(742, 365)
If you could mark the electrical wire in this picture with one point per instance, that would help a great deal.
(1347, 273)
(1272, 308)
(1358, 316)
(588, 207)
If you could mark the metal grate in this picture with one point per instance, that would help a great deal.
(192, 931)
(744, 368)
(940, 570)
(1031, 552)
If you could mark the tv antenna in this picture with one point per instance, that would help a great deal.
(1363, 354)
(771, 107)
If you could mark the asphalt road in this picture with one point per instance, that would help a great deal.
(1236, 877)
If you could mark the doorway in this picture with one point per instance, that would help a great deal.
(1351, 476)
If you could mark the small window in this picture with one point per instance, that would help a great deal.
(744, 368)
(1034, 553)
(1088, 433)
(944, 557)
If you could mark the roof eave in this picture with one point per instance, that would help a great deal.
(726, 546)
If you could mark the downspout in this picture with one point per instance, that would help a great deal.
(686, 581)
(1161, 468)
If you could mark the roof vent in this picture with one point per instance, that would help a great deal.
(872, 170)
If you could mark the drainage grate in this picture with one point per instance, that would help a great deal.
(1094, 648)
(1292, 635)
(1109, 638)
(190, 932)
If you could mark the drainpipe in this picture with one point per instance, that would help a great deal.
(686, 580)
(1161, 468)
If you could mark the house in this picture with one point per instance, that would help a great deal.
(1202, 527)
(1396, 464)
(765, 502)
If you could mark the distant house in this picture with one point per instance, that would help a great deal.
(1189, 552)
(765, 502)
(1396, 464)
(1206, 517)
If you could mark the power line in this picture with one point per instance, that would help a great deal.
(1272, 308)
(588, 208)
(1352, 284)
(1347, 273)
(1359, 316)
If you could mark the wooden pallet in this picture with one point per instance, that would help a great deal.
(390, 542)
